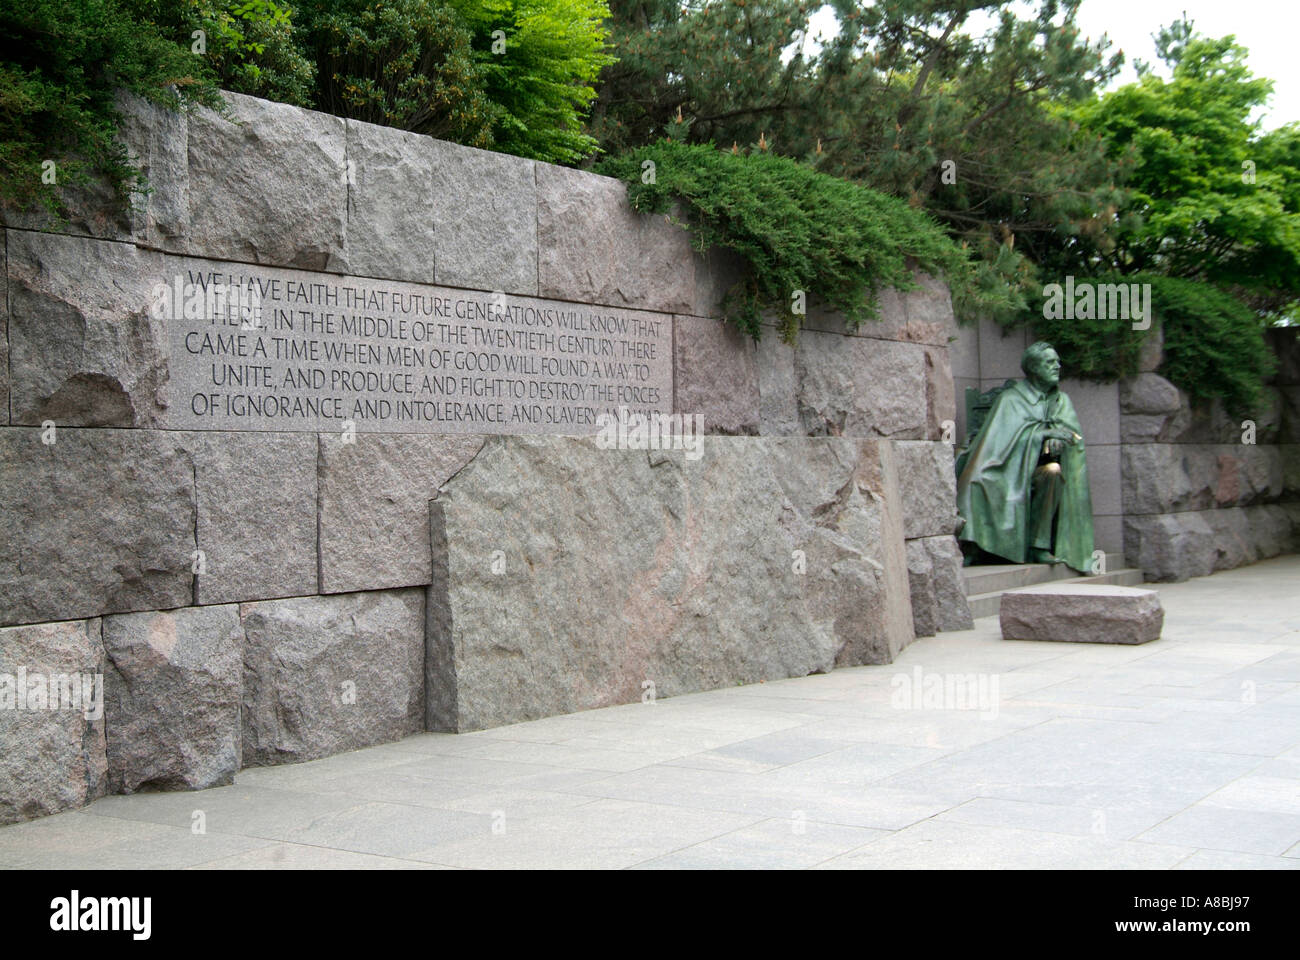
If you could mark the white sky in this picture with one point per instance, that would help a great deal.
(1266, 28)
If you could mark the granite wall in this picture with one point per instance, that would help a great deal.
(1203, 491)
(257, 592)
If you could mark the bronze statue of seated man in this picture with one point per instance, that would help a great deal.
(1022, 485)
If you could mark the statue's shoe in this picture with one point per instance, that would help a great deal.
(1044, 556)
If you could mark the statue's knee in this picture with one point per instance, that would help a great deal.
(1048, 476)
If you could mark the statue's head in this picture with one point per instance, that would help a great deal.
(1041, 363)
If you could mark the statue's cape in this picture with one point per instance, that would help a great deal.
(996, 479)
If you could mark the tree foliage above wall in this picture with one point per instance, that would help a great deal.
(799, 230)
(63, 63)
(514, 75)
(989, 155)
(1214, 345)
(403, 63)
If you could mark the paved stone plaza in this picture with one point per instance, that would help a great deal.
(1182, 753)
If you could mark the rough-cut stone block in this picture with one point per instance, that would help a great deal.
(857, 579)
(1156, 479)
(1148, 394)
(99, 521)
(323, 675)
(929, 488)
(594, 248)
(1216, 478)
(689, 593)
(268, 186)
(940, 396)
(521, 623)
(155, 141)
(1141, 427)
(929, 311)
(855, 387)
(922, 315)
(920, 577)
(84, 350)
(1206, 423)
(1081, 613)
(1289, 456)
(1270, 530)
(1276, 413)
(778, 387)
(1291, 511)
(1151, 354)
(889, 324)
(256, 497)
(391, 199)
(172, 698)
(812, 472)
(90, 210)
(1171, 477)
(715, 374)
(158, 141)
(1233, 543)
(485, 207)
(717, 270)
(374, 507)
(952, 611)
(51, 760)
(1170, 546)
(1262, 474)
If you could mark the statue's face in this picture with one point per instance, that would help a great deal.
(1048, 368)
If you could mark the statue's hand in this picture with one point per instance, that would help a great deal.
(1060, 434)
(1055, 445)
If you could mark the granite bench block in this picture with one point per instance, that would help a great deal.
(1081, 613)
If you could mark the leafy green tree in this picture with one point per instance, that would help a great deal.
(1211, 198)
(903, 99)
(1213, 343)
(708, 70)
(400, 63)
(515, 75)
(249, 44)
(539, 60)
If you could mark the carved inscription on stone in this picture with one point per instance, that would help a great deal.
(256, 348)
